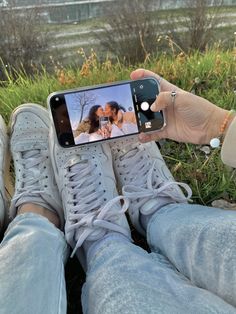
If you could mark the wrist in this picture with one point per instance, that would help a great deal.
(213, 126)
(220, 126)
(231, 118)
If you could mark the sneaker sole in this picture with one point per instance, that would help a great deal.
(8, 182)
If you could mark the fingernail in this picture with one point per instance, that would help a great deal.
(154, 104)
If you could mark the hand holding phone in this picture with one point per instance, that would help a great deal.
(105, 112)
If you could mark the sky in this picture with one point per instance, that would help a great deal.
(121, 94)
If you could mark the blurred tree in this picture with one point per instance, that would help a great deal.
(130, 32)
(194, 28)
(22, 40)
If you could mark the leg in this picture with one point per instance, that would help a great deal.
(33, 250)
(200, 242)
(123, 278)
(32, 255)
(116, 269)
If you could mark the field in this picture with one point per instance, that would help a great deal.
(211, 75)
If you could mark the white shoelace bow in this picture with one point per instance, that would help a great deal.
(29, 185)
(149, 184)
(87, 213)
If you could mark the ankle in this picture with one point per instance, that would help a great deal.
(37, 209)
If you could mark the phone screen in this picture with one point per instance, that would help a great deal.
(105, 112)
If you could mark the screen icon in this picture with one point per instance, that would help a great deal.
(148, 125)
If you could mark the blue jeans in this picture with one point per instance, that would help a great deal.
(191, 269)
(191, 246)
(32, 257)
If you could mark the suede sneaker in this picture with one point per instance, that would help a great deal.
(34, 178)
(144, 178)
(88, 189)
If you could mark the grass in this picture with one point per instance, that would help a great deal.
(211, 75)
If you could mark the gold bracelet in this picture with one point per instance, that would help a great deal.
(215, 142)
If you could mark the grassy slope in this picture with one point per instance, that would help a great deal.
(214, 73)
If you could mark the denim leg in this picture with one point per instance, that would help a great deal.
(200, 242)
(123, 278)
(32, 257)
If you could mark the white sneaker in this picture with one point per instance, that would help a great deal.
(144, 178)
(88, 189)
(34, 178)
(4, 172)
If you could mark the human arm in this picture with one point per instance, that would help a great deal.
(190, 118)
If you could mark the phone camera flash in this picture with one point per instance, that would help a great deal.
(144, 106)
(57, 98)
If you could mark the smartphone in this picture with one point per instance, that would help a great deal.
(104, 121)
(105, 112)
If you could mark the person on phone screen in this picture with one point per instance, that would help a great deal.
(191, 266)
(89, 124)
(123, 122)
(89, 129)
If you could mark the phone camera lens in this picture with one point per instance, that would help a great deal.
(141, 86)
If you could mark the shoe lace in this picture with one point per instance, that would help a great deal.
(88, 215)
(32, 174)
(137, 167)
